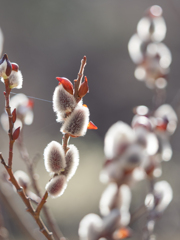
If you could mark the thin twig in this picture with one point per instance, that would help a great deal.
(8, 168)
(27, 201)
(8, 110)
(15, 214)
(30, 167)
(41, 204)
(138, 213)
(77, 82)
(65, 140)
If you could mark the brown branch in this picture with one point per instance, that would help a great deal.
(30, 167)
(41, 204)
(27, 201)
(8, 168)
(65, 141)
(14, 211)
(8, 110)
(77, 82)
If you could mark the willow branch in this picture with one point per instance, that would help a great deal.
(10, 132)
(65, 141)
(41, 204)
(27, 201)
(30, 167)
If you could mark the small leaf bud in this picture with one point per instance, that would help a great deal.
(76, 124)
(91, 125)
(56, 186)
(68, 86)
(54, 157)
(84, 89)
(63, 102)
(72, 162)
(15, 67)
(14, 115)
(16, 134)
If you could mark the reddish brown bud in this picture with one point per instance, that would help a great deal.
(16, 133)
(122, 233)
(14, 115)
(15, 67)
(9, 67)
(91, 125)
(68, 86)
(84, 89)
(162, 124)
(30, 103)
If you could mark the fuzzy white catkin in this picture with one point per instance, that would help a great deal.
(63, 102)
(165, 192)
(133, 157)
(24, 112)
(76, 124)
(72, 162)
(166, 111)
(89, 227)
(118, 135)
(107, 199)
(22, 178)
(56, 186)
(16, 79)
(54, 157)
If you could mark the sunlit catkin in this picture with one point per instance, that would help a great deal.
(54, 157)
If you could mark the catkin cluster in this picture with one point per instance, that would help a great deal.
(62, 161)
(136, 152)
(147, 51)
(62, 165)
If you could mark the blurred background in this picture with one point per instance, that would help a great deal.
(49, 39)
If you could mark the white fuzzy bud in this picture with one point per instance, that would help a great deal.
(152, 27)
(134, 48)
(63, 102)
(23, 110)
(164, 192)
(15, 79)
(117, 138)
(72, 161)
(56, 186)
(76, 124)
(54, 157)
(107, 199)
(133, 157)
(22, 178)
(90, 227)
